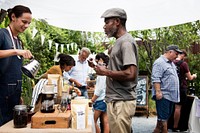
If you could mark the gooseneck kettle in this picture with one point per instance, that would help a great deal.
(30, 69)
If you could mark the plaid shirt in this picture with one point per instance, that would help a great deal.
(164, 72)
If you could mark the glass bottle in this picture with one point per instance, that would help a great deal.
(193, 88)
(73, 92)
(65, 85)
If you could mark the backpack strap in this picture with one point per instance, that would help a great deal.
(179, 62)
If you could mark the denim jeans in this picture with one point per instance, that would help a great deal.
(100, 105)
(84, 91)
(164, 109)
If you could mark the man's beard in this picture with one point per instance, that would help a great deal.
(112, 32)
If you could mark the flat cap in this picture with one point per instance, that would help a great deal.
(114, 12)
(173, 47)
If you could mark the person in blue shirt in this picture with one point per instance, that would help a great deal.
(165, 86)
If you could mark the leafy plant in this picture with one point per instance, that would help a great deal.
(151, 44)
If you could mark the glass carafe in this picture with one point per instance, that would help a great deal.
(47, 103)
(64, 103)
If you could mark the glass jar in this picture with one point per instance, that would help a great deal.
(20, 116)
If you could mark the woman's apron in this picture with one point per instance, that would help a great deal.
(10, 88)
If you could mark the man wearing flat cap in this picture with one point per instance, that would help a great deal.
(165, 86)
(122, 72)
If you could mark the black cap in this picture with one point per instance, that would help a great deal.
(173, 47)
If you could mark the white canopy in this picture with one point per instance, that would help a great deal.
(84, 15)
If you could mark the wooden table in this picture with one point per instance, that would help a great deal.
(9, 128)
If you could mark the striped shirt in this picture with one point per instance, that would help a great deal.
(164, 72)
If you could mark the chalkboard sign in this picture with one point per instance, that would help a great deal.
(142, 91)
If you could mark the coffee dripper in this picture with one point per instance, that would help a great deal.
(47, 103)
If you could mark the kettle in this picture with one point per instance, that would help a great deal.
(31, 68)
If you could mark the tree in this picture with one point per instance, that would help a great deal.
(151, 42)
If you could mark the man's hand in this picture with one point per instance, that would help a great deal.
(100, 70)
(158, 94)
(78, 84)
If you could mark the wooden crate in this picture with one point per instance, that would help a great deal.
(51, 120)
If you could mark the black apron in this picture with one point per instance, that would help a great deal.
(10, 87)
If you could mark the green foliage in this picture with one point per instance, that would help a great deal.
(27, 90)
(5, 23)
(194, 61)
(152, 105)
(152, 44)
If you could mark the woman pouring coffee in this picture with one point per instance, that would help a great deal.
(11, 58)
